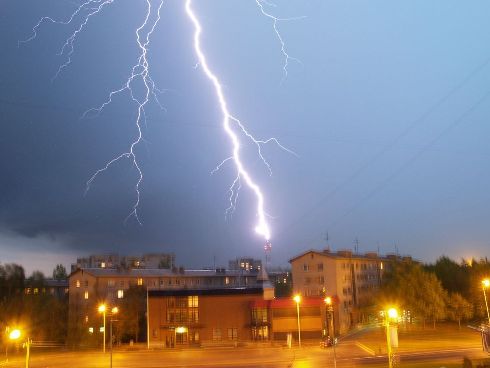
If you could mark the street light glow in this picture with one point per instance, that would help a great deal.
(297, 298)
(328, 300)
(486, 283)
(102, 308)
(392, 313)
(14, 334)
(115, 310)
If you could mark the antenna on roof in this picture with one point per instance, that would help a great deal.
(326, 238)
(356, 245)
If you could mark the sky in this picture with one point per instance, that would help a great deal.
(385, 103)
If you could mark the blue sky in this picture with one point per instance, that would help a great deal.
(387, 109)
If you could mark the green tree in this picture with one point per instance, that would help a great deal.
(458, 308)
(132, 315)
(59, 272)
(415, 290)
(455, 278)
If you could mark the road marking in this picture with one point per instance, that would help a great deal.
(365, 348)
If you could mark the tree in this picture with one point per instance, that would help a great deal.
(459, 308)
(455, 278)
(132, 316)
(59, 272)
(415, 290)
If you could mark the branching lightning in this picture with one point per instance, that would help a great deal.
(140, 73)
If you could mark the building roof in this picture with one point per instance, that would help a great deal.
(204, 291)
(157, 272)
(341, 254)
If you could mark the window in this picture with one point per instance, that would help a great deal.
(232, 333)
(86, 283)
(36, 291)
(306, 267)
(259, 315)
(193, 301)
(110, 283)
(227, 280)
(120, 294)
(86, 319)
(121, 283)
(86, 295)
(102, 264)
(77, 283)
(140, 281)
(260, 333)
(216, 334)
(320, 267)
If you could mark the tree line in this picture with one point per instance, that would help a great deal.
(444, 290)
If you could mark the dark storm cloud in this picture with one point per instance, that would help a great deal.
(358, 88)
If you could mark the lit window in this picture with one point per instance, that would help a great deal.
(120, 294)
(91, 330)
(77, 283)
(101, 329)
(140, 281)
(216, 334)
(28, 290)
(86, 295)
(36, 290)
(227, 280)
(381, 265)
(102, 264)
(86, 319)
(193, 301)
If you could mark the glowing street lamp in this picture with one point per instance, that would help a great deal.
(102, 309)
(114, 311)
(329, 303)
(15, 334)
(390, 314)
(486, 285)
(297, 299)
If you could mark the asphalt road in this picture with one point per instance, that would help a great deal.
(348, 354)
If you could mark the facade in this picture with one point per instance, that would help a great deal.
(57, 288)
(203, 316)
(90, 287)
(351, 279)
(230, 316)
(245, 264)
(114, 261)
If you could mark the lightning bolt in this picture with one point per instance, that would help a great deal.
(275, 21)
(262, 227)
(140, 73)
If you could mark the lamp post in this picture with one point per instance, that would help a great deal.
(114, 311)
(15, 334)
(297, 299)
(329, 302)
(102, 309)
(391, 313)
(485, 285)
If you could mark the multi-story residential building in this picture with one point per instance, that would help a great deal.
(245, 264)
(92, 286)
(115, 261)
(350, 279)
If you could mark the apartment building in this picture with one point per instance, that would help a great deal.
(351, 279)
(114, 260)
(92, 286)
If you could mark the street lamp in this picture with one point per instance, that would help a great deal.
(329, 302)
(486, 285)
(15, 334)
(102, 309)
(392, 314)
(114, 311)
(297, 299)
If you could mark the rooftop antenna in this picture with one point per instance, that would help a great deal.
(356, 245)
(326, 238)
(267, 251)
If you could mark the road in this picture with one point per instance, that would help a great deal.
(349, 354)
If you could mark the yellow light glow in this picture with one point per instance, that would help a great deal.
(115, 310)
(102, 308)
(14, 334)
(486, 283)
(392, 313)
(297, 298)
(181, 329)
(328, 300)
